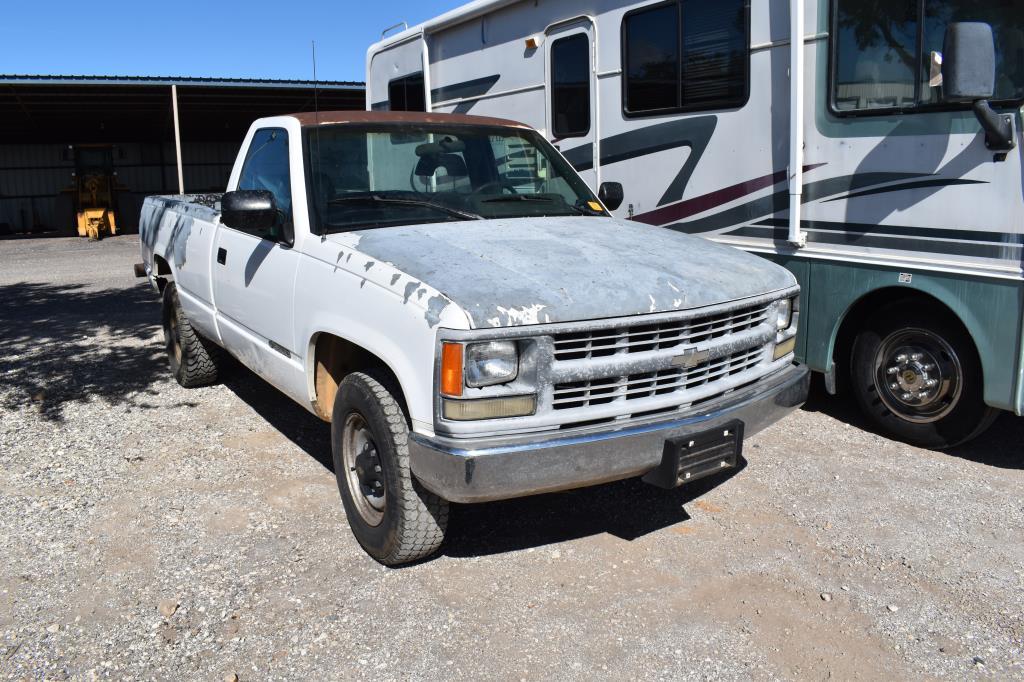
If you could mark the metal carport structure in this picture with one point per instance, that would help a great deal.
(43, 119)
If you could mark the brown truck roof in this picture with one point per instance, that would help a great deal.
(309, 119)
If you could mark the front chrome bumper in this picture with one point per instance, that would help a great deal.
(482, 469)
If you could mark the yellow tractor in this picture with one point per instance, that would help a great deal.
(94, 187)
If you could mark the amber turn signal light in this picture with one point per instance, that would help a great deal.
(785, 348)
(451, 369)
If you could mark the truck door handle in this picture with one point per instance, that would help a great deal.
(222, 256)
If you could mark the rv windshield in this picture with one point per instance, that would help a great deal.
(361, 177)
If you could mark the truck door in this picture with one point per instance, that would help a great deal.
(254, 277)
(572, 98)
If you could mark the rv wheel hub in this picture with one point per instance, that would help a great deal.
(919, 375)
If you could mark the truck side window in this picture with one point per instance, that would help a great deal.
(266, 167)
(881, 52)
(407, 94)
(570, 86)
(686, 55)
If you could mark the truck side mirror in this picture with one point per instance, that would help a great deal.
(611, 194)
(969, 75)
(251, 210)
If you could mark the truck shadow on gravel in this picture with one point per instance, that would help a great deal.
(627, 509)
(999, 447)
(63, 343)
(293, 422)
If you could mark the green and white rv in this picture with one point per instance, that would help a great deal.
(887, 181)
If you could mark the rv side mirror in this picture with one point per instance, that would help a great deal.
(968, 62)
(610, 194)
(969, 76)
(252, 211)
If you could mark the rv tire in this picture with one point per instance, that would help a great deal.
(916, 375)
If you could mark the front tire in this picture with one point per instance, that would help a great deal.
(391, 515)
(194, 361)
(917, 376)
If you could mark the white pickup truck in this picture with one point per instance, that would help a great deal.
(450, 295)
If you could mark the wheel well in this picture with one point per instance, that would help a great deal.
(861, 311)
(335, 358)
(163, 271)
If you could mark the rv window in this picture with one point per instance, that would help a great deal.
(406, 94)
(570, 86)
(882, 51)
(686, 55)
(651, 46)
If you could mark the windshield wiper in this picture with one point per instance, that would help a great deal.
(580, 210)
(378, 199)
(516, 197)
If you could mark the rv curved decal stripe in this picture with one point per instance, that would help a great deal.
(463, 90)
(920, 184)
(779, 201)
(694, 133)
(977, 244)
(858, 230)
(706, 202)
(471, 88)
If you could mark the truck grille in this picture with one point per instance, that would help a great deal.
(630, 368)
(647, 337)
(573, 394)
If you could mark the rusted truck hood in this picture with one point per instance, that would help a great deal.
(538, 270)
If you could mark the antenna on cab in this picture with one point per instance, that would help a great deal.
(316, 157)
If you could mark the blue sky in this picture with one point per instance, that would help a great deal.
(257, 39)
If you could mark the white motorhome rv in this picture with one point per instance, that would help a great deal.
(894, 197)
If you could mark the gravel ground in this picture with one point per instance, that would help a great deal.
(152, 532)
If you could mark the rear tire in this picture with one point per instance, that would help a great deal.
(917, 376)
(194, 360)
(392, 516)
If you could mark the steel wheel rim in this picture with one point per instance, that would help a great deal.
(918, 375)
(363, 470)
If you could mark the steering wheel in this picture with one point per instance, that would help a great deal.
(500, 185)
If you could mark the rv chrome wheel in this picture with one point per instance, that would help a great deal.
(363, 469)
(918, 375)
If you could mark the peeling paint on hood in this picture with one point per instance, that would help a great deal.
(536, 270)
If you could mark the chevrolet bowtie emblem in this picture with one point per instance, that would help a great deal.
(691, 357)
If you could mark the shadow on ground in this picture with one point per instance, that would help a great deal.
(626, 509)
(296, 424)
(64, 343)
(1000, 446)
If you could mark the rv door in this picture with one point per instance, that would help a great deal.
(572, 95)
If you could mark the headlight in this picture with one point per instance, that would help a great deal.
(783, 313)
(490, 363)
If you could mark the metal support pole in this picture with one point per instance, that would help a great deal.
(427, 104)
(177, 139)
(796, 122)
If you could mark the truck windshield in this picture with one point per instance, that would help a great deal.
(361, 177)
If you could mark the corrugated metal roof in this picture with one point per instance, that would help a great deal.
(176, 80)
